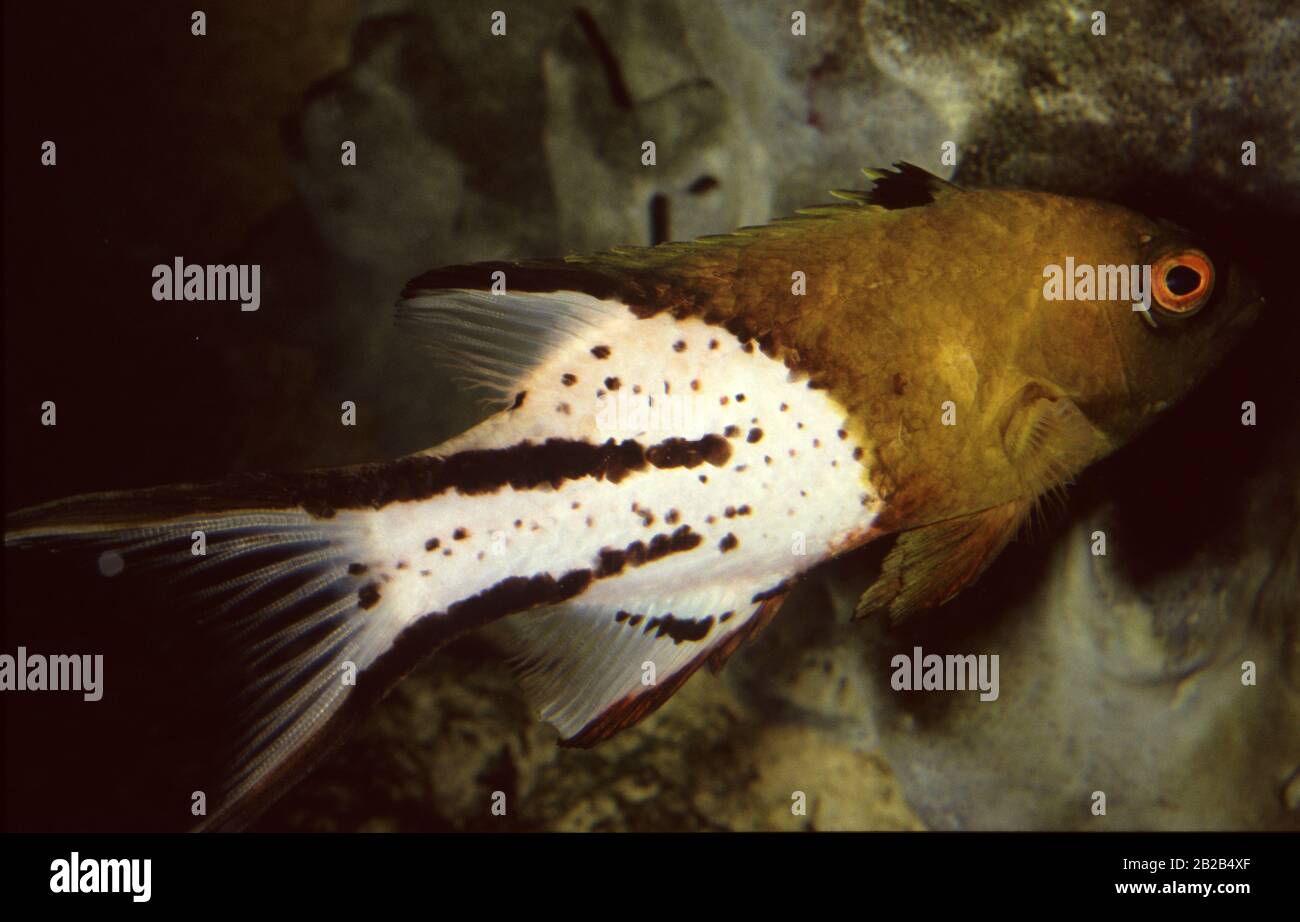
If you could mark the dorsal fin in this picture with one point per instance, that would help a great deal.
(493, 341)
(906, 186)
(629, 273)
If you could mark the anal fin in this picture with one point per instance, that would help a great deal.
(593, 670)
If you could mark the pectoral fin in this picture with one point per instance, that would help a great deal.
(1047, 440)
(929, 565)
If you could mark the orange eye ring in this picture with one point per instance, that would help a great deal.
(1182, 282)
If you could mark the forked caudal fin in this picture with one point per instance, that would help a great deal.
(268, 606)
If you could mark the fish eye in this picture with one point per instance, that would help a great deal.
(1182, 282)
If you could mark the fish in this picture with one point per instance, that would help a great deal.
(677, 435)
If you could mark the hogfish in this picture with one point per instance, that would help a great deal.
(680, 433)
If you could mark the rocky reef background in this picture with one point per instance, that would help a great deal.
(1119, 674)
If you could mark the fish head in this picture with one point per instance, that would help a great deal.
(1123, 361)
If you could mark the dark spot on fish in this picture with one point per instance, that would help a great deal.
(426, 572)
(576, 505)
(817, 443)
(779, 589)
(676, 452)
(432, 544)
(459, 534)
(517, 593)
(740, 398)
(672, 517)
(679, 629)
(695, 384)
(754, 436)
(519, 523)
(621, 616)
(900, 384)
(743, 510)
(564, 408)
(857, 453)
(785, 407)
(748, 347)
(668, 389)
(726, 616)
(741, 468)
(568, 380)
(368, 595)
(357, 568)
(729, 512)
(713, 344)
(724, 400)
(842, 434)
(519, 400)
(401, 564)
(446, 552)
(731, 431)
(636, 388)
(704, 478)
(613, 383)
(611, 561)
(728, 542)
(635, 620)
(679, 346)
(600, 352)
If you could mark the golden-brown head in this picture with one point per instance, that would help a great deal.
(1134, 315)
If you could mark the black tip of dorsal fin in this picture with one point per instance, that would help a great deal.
(905, 186)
